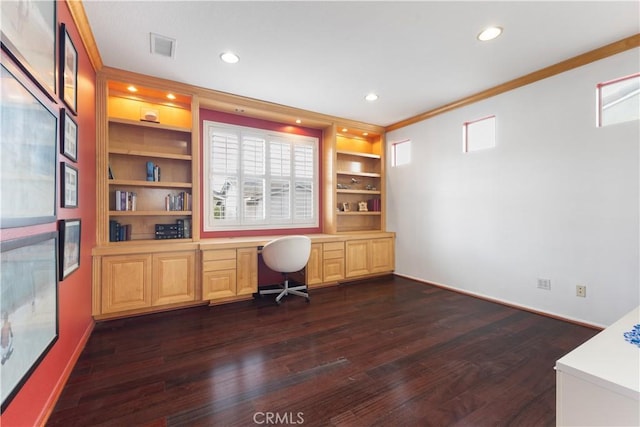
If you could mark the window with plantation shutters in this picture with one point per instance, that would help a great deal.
(258, 179)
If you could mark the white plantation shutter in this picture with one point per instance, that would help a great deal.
(304, 173)
(272, 178)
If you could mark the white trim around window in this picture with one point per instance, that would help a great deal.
(256, 179)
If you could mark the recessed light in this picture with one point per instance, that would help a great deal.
(371, 97)
(489, 33)
(229, 57)
(171, 96)
(345, 129)
(365, 134)
(132, 88)
(298, 121)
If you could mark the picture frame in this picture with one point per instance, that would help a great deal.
(68, 70)
(29, 307)
(28, 141)
(28, 34)
(68, 136)
(69, 246)
(69, 190)
(362, 207)
(345, 207)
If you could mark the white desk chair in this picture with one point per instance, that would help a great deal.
(287, 255)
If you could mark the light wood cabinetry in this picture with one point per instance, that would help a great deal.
(333, 261)
(173, 278)
(313, 270)
(229, 273)
(137, 282)
(359, 181)
(368, 256)
(144, 134)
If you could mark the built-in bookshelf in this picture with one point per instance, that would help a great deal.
(150, 164)
(359, 181)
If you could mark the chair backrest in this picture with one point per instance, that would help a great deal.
(287, 254)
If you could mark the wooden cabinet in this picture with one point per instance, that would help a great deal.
(218, 274)
(333, 261)
(137, 282)
(228, 273)
(359, 181)
(369, 256)
(313, 270)
(145, 168)
(247, 271)
(173, 278)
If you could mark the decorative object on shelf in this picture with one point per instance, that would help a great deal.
(29, 288)
(36, 52)
(150, 170)
(354, 181)
(370, 187)
(633, 336)
(28, 147)
(68, 70)
(68, 136)
(343, 186)
(345, 207)
(149, 115)
(69, 191)
(69, 246)
(362, 207)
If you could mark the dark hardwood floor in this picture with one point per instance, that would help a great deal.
(388, 352)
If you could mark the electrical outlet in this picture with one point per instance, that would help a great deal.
(544, 284)
(581, 291)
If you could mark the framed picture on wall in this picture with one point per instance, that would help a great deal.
(69, 246)
(29, 307)
(28, 149)
(29, 36)
(68, 136)
(68, 70)
(69, 190)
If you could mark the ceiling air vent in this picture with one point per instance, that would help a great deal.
(163, 46)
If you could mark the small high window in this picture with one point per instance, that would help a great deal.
(401, 153)
(479, 134)
(618, 100)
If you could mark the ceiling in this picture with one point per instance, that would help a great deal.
(326, 56)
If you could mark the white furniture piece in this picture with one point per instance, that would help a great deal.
(286, 255)
(598, 383)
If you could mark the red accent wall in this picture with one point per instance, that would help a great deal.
(36, 398)
(233, 119)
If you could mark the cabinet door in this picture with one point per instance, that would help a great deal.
(247, 271)
(173, 274)
(357, 258)
(382, 259)
(219, 284)
(313, 270)
(126, 282)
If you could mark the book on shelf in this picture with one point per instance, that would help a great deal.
(126, 200)
(119, 232)
(178, 202)
(374, 205)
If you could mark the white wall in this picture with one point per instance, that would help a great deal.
(557, 198)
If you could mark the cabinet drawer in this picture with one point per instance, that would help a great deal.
(223, 264)
(218, 254)
(333, 246)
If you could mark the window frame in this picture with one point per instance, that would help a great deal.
(394, 152)
(465, 133)
(599, 97)
(242, 222)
